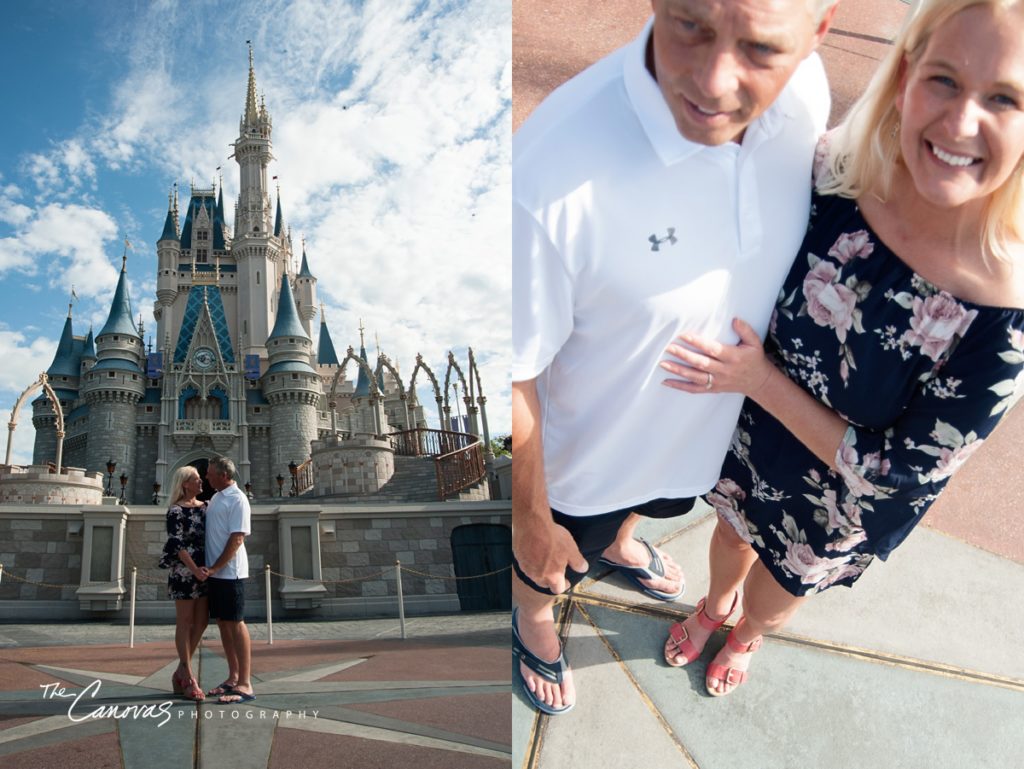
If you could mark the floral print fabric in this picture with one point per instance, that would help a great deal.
(921, 376)
(186, 529)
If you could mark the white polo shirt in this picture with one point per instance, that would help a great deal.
(624, 235)
(227, 513)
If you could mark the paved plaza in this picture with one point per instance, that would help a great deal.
(75, 696)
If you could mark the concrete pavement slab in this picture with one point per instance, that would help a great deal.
(236, 736)
(807, 707)
(172, 743)
(611, 717)
(902, 607)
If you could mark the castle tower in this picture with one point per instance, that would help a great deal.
(64, 375)
(291, 386)
(113, 387)
(256, 249)
(305, 294)
(168, 251)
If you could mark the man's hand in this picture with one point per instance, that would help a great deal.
(544, 551)
(205, 572)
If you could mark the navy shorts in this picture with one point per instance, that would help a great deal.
(593, 533)
(227, 599)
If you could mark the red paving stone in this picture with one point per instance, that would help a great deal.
(101, 751)
(143, 660)
(16, 676)
(428, 664)
(982, 503)
(294, 748)
(487, 716)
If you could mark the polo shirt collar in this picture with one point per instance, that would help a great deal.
(656, 118)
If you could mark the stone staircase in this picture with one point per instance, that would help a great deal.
(415, 480)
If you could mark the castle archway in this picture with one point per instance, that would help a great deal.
(44, 384)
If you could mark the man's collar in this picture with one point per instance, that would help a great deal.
(656, 118)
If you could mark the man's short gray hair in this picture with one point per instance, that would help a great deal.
(225, 466)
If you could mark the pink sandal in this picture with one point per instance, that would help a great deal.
(732, 677)
(681, 639)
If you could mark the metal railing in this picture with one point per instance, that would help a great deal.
(303, 478)
(458, 457)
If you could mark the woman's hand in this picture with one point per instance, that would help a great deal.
(708, 366)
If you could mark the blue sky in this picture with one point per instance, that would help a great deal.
(392, 128)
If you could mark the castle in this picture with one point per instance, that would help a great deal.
(233, 370)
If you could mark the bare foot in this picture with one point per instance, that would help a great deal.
(633, 553)
(539, 636)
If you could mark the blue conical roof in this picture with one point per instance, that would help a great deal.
(363, 382)
(120, 319)
(65, 362)
(170, 230)
(90, 346)
(304, 269)
(278, 219)
(287, 323)
(326, 356)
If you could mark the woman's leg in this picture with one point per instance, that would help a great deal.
(767, 606)
(200, 619)
(183, 609)
(729, 561)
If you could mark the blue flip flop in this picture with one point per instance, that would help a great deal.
(654, 570)
(549, 671)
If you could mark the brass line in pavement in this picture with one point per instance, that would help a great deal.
(866, 655)
(540, 720)
(639, 689)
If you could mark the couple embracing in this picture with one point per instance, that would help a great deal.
(715, 298)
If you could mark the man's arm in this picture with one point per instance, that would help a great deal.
(542, 548)
(234, 542)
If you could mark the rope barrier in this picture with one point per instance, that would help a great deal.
(142, 579)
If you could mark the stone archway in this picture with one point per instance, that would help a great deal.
(42, 383)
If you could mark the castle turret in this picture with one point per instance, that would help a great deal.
(64, 375)
(114, 386)
(305, 294)
(291, 386)
(168, 251)
(257, 250)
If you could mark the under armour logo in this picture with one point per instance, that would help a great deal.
(670, 239)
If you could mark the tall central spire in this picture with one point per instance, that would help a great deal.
(252, 114)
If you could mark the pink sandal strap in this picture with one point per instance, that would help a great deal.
(713, 624)
(680, 639)
(729, 676)
(736, 646)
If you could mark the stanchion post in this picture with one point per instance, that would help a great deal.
(401, 601)
(270, 618)
(1, 572)
(131, 613)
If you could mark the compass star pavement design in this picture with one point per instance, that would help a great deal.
(319, 703)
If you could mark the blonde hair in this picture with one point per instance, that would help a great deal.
(864, 149)
(181, 475)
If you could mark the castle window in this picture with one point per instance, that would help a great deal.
(111, 374)
(149, 409)
(257, 277)
(257, 410)
(201, 256)
(202, 235)
(295, 376)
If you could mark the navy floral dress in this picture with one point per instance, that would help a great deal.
(922, 378)
(186, 528)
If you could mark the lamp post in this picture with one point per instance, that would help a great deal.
(293, 469)
(280, 484)
(111, 466)
(124, 482)
(156, 493)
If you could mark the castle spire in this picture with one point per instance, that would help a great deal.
(251, 111)
(326, 354)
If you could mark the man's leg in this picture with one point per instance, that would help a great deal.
(243, 654)
(536, 625)
(629, 551)
(227, 640)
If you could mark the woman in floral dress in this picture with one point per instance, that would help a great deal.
(186, 585)
(897, 343)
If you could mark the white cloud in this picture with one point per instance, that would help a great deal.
(24, 358)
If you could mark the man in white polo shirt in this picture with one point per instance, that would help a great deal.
(664, 189)
(227, 525)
